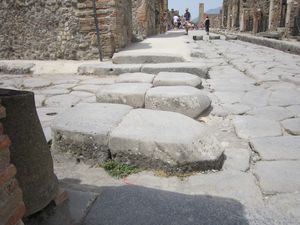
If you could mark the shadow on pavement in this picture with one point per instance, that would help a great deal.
(136, 205)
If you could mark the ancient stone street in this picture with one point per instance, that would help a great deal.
(245, 96)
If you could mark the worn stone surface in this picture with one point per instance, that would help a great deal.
(144, 57)
(104, 69)
(182, 99)
(174, 79)
(132, 94)
(278, 176)
(84, 130)
(237, 159)
(35, 83)
(135, 78)
(251, 127)
(64, 101)
(295, 110)
(292, 126)
(92, 88)
(285, 98)
(164, 140)
(271, 112)
(277, 148)
(198, 69)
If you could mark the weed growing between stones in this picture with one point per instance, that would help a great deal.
(119, 170)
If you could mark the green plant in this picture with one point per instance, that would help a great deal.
(119, 170)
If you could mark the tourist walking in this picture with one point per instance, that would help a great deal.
(187, 24)
(207, 24)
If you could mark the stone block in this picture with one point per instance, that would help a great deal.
(135, 78)
(198, 37)
(177, 79)
(292, 126)
(186, 100)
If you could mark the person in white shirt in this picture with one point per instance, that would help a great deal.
(175, 21)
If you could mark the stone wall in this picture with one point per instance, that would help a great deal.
(12, 207)
(147, 17)
(62, 29)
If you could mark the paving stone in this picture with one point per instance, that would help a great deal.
(92, 88)
(65, 81)
(214, 37)
(292, 79)
(64, 101)
(164, 140)
(51, 92)
(198, 69)
(140, 205)
(287, 203)
(230, 37)
(84, 129)
(197, 54)
(100, 81)
(230, 96)
(237, 159)
(186, 100)
(135, 78)
(229, 183)
(277, 148)
(250, 127)
(64, 86)
(236, 109)
(256, 98)
(39, 100)
(82, 94)
(295, 110)
(132, 94)
(271, 112)
(91, 99)
(104, 69)
(71, 212)
(175, 79)
(278, 176)
(285, 98)
(145, 57)
(32, 83)
(292, 126)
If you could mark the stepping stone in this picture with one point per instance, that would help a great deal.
(198, 69)
(186, 100)
(126, 57)
(16, 68)
(214, 37)
(250, 127)
(132, 94)
(135, 78)
(277, 148)
(292, 126)
(198, 37)
(164, 140)
(278, 176)
(84, 129)
(271, 112)
(230, 37)
(177, 79)
(103, 69)
(64, 101)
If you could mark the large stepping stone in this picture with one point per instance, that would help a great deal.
(135, 78)
(84, 130)
(164, 140)
(198, 69)
(175, 79)
(277, 148)
(126, 57)
(186, 100)
(132, 94)
(250, 127)
(104, 69)
(16, 68)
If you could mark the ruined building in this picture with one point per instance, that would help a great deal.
(65, 29)
(215, 18)
(262, 15)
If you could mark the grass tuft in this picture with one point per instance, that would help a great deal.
(119, 170)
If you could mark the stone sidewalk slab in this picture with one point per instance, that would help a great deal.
(251, 127)
(186, 100)
(135, 78)
(271, 112)
(132, 94)
(292, 126)
(199, 69)
(164, 140)
(131, 57)
(84, 130)
(176, 79)
(277, 148)
(278, 176)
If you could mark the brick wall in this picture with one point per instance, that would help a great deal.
(12, 207)
(55, 29)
